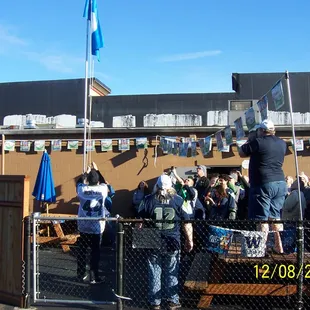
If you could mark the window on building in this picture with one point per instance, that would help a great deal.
(240, 105)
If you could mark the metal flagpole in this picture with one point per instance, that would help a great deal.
(92, 70)
(294, 140)
(88, 42)
(300, 229)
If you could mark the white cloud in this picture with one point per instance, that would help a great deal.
(7, 37)
(188, 56)
(52, 59)
(55, 61)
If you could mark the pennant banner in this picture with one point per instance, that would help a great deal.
(239, 128)
(193, 149)
(253, 243)
(25, 146)
(39, 145)
(90, 145)
(299, 144)
(278, 95)
(56, 145)
(219, 239)
(263, 107)
(228, 135)
(141, 143)
(106, 145)
(9, 145)
(288, 239)
(123, 144)
(73, 145)
(183, 148)
(250, 118)
(205, 145)
(219, 140)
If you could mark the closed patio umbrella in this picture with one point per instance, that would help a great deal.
(44, 189)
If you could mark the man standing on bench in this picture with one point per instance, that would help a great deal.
(92, 192)
(267, 182)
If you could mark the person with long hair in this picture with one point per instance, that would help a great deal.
(221, 204)
(141, 191)
(163, 262)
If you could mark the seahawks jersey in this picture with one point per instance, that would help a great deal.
(92, 199)
(172, 211)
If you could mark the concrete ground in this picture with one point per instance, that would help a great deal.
(57, 281)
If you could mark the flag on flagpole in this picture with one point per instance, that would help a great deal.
(91, 13)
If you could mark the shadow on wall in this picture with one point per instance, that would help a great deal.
(62, 206)
(122, 201)
(123, 157)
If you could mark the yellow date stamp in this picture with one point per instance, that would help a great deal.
(282, 271)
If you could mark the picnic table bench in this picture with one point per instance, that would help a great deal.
(232, 274)
(59, 237)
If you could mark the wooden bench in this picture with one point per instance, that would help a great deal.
(215, 277)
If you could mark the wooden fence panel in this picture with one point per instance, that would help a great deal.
(14, 206)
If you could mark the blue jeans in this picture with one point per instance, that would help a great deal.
(163, 266)
(266, 201)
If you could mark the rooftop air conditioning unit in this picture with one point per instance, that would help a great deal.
(237, 108)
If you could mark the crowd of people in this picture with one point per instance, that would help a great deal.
(266, 196)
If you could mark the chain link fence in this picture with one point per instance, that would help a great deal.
(70, 266)
(233, 264)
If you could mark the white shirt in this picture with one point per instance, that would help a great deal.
(92, 199)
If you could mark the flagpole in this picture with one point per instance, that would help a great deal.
(86, 92)
(91, 79)
(287, 78)
(300, 229)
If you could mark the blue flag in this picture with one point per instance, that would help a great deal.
(91, 13)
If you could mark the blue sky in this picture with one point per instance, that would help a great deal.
(155, 46)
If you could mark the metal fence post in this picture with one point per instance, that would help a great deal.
(27, 259)
(119, 261)
(300, 264)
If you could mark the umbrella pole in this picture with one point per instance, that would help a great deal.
(48, 226)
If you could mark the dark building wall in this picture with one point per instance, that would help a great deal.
(255, 85)
(67, 97)
(49, 98)
(104, 108)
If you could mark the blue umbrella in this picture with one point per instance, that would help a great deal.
(44, 189)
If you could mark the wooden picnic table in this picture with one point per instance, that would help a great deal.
(65, 240)
(233, 274)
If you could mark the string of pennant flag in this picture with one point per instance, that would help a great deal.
(224, 137)
(180, 146)
(56, 145)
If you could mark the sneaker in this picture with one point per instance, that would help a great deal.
(82, 277)
(97, 280)
(173, 306)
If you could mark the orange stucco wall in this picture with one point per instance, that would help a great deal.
(124, 170)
